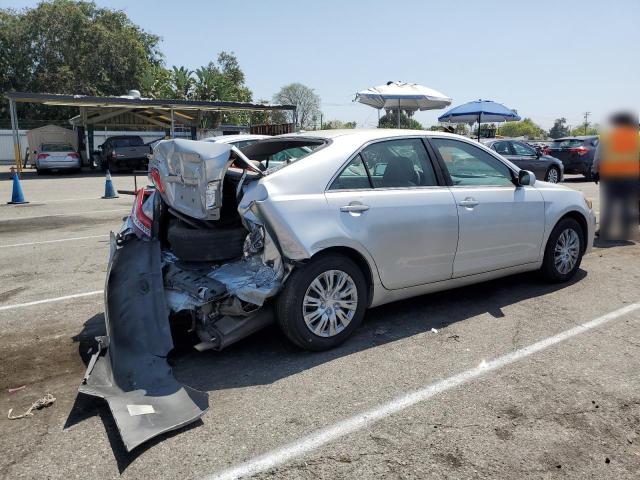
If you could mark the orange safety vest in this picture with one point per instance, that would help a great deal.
(620, 154)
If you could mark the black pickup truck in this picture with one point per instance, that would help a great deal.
(123, 153)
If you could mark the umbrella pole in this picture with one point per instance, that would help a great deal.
(479, 126)
(398, 113)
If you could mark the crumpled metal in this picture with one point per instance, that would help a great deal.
(250, 280)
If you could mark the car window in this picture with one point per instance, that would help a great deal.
(567, 143)
(522, 149)
(56, 147)
(399, 163)
(353, 176)
(502, 148)
(127, 142)
(470, 165)
(287, 156)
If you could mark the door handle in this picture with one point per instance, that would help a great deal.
(358, 207)
(468, 202)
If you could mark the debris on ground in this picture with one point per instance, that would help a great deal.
(16, 389)
(43, 402)
(434, 330)
(454, 337)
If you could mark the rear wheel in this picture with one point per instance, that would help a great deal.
(553, 175)
(322, 303)
(564, 250)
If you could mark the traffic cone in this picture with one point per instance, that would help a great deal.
(17, 197)
(109, 191)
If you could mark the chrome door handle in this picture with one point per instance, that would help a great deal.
(358, 207)
(468, 202)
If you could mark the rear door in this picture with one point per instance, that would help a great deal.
(501, 225)
(392, 200)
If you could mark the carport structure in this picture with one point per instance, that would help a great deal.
(131, 111)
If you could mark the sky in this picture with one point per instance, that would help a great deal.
(546, 59)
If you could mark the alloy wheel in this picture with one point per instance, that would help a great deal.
(330, 303)
(552, 176)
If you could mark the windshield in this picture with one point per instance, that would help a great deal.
(128, 142)
(56, 147)
(566, 143)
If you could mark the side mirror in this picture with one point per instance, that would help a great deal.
(525, 177)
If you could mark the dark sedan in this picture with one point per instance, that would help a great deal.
(575, 153)
(545, 167)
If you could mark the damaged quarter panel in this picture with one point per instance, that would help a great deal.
(293, 206)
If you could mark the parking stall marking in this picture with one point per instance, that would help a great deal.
(49, 300)
(53, 241)
(362, 420)
(64, 214)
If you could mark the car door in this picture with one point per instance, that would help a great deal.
(527, 159)
(501, 225)
(390, 199)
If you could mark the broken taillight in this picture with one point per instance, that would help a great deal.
(156, 180)
(142, 212)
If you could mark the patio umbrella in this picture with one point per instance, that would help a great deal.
(403, 96)
(479, 111)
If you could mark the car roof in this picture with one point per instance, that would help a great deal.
(367, 134)
(578, 137)
(234, 138)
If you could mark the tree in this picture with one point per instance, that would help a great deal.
(524, 128)
(390, 120)
(559, 128)
(337, 124)
(66, 46)
(181, 82)
(307, 103)
(585, 130)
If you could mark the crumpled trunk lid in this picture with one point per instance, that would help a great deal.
(130, 370)
(191, 173)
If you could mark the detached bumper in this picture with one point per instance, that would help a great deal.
(130, 370)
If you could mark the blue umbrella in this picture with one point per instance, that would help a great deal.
(479, 111)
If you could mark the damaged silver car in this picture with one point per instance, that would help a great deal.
(308, 230)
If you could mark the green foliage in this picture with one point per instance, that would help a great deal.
(585, 130)
(306, 101)
(337, 124)
(390, 120)
(65, 46)
(524, 128)
(559, 128)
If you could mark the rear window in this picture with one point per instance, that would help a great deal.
(56, 147)
(276, 154)
(567, 143)
(127, 142)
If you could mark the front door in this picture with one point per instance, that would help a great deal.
(501, 225)
(388, 199)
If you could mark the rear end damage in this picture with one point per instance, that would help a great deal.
(148, 285)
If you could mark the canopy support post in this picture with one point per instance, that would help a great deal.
(16, 134)
(86, 135)
(172, 125)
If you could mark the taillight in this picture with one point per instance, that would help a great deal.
(41, 156)
(73, 155)
(579, 150)
(142, 212)
(156, 180)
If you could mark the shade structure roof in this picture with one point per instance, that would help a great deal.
(407, 96)
(479, 111)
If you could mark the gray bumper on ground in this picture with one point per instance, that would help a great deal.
(130, 370)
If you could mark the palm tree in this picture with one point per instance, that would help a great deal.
(182, 82)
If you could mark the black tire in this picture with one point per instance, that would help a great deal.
(289, 308)
(549, 270)
(548, 174)
(588, 175)
(205, 245)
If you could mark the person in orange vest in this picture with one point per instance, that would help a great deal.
(616, 166)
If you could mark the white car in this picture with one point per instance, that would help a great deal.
(350, 220)
(57, 157)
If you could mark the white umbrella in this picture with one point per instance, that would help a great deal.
(403, 96)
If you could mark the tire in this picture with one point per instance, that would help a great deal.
(205, 245)
(290, 303)
(552, 175)
(588, 175)
(550, 270)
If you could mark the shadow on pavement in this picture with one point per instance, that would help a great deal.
(267, 356)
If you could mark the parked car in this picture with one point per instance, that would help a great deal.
(545, 167)
(126, 152)
(240, 140)
(575, 153)
(362, 218)
(54, 157)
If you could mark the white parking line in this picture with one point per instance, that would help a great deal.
(53, 241)
(49, 300)
(66, 214)
(362, 420)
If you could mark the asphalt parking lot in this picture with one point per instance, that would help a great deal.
(485, 402)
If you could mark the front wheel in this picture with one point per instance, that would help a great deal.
(553, 175)
(564, 250)
(323, 302)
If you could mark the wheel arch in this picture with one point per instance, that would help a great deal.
(582, 221)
